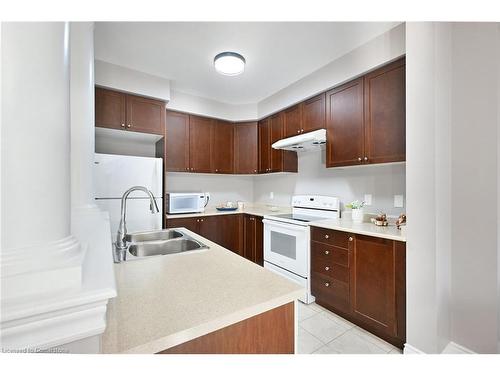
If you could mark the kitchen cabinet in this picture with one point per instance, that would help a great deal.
(176, 151)
(200, 144)
(210, 228)
(363, 279)
(345, 125)
(292, 121)
(313, 113)
(190, 223)
(385, 113)
(253, 248)
(264, 146)
(246, 155)
(276, 133)
(365, 118)
(271, 160)
(231, 232)
(116, 110)
(222, 149)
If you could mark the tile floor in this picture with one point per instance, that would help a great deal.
(323, 332)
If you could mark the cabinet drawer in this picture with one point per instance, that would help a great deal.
(333, 271)
(330, 237)
(330, 292)
(329, 253)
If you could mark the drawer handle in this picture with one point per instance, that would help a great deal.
(327, 236)
(350, 239)
(327, 268)
(327, 284)
(327, 252)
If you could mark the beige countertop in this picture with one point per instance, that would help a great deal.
(389, 232)
(261, 210)
(168, 300)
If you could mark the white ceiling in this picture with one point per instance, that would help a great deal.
(277, 53)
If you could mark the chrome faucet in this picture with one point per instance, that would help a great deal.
(121, 243)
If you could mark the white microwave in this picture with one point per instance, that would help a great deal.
(185, 203)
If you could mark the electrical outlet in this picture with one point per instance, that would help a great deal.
(271, 195)
(368, 199)
(398, 201)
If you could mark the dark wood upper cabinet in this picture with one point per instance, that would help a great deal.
(385, 114)
(373, 283)
(246, 155)
(292, 121)
(118, 110)
(176, 154)
(276, 129)
(313, 113)
(145, 115)
(345, 125)
(222, 147)
(200, 144)
(110, 109)
(264, 146)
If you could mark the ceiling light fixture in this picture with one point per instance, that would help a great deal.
(229, 63)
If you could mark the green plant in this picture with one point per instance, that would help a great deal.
(355, 205)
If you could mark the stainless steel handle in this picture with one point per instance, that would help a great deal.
(350, 239)
(327, 268)
(359, 159)
(327, 252)
(327, 284)
(327, 236)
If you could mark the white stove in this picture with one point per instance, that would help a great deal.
(287, 238)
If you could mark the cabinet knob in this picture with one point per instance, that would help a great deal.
(359, 159)
(327, 268)
(327, 284)
(192, 169)
(366, 158)
(298, 131)
(197, 220)
(187, 169)
(302, 130)
(122, 125)
(217, 170)
(255, 171)
(350, 239)
(129, 126)
(327, 236)
(327, 252)
(201, 219)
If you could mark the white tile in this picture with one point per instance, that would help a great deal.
(351, 343)
(322, 327)
(339, 320)
(384, 345)
(325, 349)
(396, 351)
(317, 307)
(305, 311)
(307, 343)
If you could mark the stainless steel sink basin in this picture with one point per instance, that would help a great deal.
(154, 235)
(151, 248)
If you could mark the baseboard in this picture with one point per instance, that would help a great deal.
(409, 349)
(454, 348)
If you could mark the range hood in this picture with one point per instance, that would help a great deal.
(303, 142)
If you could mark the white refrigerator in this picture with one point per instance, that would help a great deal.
(114, 175)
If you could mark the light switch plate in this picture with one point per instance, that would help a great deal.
(398, 201)
(368, 199)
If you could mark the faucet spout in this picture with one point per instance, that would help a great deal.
(121, 243)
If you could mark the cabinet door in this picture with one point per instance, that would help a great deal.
(276, 125)
(385, 114)
(200, 150)
(246, 148)
(264, 146)
(313, 113)
(231, 230)
(249, 238)
(110, 109)
(344, 124)
(373, 283)
(177, 142)
(222, 147)
(190, 223)
(145, 115)
(292, 123)
(259, 241)
(210, 228)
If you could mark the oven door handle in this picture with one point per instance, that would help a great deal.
(302, 228)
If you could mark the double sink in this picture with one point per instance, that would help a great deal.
(159, 242)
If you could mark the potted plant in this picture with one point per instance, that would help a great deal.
(357, 211)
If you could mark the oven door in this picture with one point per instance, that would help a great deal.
(287, 246)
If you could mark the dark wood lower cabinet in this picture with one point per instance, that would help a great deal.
(363, 279)
(240, 233)
(271, 332)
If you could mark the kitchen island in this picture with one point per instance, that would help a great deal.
(204, 301)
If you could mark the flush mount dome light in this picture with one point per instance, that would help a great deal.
(229, 63)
